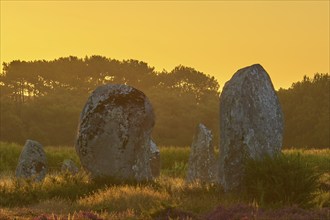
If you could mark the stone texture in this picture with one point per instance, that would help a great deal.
(114, 133)
(251, 123)
(154, 159)
(69, 166)
(32, 162)
(201, 166)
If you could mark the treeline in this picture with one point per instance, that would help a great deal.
(42, 100)
(306, 107)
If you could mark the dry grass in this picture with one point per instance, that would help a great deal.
(122, 198)
(63, 196)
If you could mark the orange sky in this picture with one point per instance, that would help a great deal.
(290, 39)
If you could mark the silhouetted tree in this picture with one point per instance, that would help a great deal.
(43, 99)
(306, 107)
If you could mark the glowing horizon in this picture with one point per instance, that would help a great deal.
(289, 39)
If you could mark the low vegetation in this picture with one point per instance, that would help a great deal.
(296, 183)
(282, 180)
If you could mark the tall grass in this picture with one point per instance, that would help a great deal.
(314, 157)
(10, 152)
(56, 155)
(62, 191)
(174, 161)
(282, 180)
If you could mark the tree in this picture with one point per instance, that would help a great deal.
(306, 110)
(44, 98)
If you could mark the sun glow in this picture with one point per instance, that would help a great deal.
(290, 39)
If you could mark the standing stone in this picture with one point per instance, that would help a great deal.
(32, 162)
(251, 123)
(69, 166)
(154, 159)
(114, 133)
(201, 166)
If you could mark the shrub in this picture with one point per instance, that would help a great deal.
(281, 180)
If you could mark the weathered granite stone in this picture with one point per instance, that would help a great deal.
(114, 133)
(251, 123)
(32, 162)
(154, 159)
(202, 166)
(69, 166)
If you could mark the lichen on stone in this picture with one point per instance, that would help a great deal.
(32, 162)
(114, 132)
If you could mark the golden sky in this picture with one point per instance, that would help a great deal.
(289, 38)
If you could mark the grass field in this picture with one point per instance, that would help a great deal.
(63, 196)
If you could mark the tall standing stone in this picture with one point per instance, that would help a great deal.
(251, 123)
(32, 162)
(114, 133)
(201, 165)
